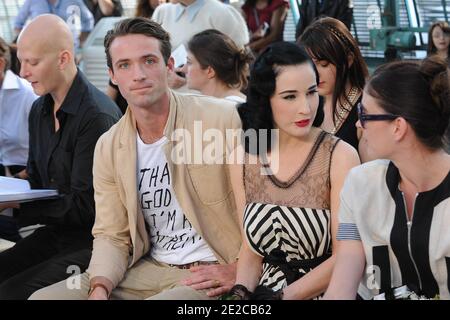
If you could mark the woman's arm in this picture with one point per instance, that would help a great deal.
(249, 267)
(316, 282)
(249, 264)
(106, 7)
(276, 28)
(348, 271)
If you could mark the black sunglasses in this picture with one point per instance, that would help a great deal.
(363, 117)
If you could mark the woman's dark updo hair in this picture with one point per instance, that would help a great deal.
(214, 49)
(418, 92)
(256, 113)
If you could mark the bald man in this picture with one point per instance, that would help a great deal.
(71, 11)
(64, 125)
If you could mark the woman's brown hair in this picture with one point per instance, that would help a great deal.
(230, 63)
(328, 39)
(431, 49)
(418, 92)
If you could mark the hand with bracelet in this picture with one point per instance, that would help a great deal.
(240, 292)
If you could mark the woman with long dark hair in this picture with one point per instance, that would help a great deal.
(342, 73)
(145, 8)
(439, 40)
(288, 204)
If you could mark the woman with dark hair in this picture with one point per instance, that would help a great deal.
(342, 72)
(288, 204)
(216, 66)
(104, 8)
(265, 21)
(439, 40)
(309, 10)
(145, 8)
(398, 224)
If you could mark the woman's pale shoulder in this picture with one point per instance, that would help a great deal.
(368, 178)
(370, 171)
(342, 151)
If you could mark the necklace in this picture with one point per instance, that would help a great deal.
(345, 109)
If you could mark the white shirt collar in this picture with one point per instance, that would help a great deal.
(11, 81)
(191, 10)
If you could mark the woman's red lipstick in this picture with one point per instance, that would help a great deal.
(302, 123)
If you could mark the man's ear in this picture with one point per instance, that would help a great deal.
(210, 72)
(65, 57)
(171, 64)
(111, 76)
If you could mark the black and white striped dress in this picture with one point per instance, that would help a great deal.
(290, 221)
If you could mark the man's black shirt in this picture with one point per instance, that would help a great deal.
(63, 160)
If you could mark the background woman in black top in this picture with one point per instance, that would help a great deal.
(342, 73)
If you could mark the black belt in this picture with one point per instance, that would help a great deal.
(193, 264)
(290, 269)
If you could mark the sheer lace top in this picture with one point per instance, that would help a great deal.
(309, 187)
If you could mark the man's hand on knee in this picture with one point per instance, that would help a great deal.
(218, 278)
(98, 293)
(100, 288)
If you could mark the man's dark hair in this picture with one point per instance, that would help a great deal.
(139, 25)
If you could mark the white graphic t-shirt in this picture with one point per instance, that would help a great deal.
(173, 239)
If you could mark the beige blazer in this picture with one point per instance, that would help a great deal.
(203, 191)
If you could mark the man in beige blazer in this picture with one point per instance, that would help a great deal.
(166, 224)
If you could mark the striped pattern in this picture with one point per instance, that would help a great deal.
(302, 233)
(348, 231)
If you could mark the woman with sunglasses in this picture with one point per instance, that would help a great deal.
(394, 218)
